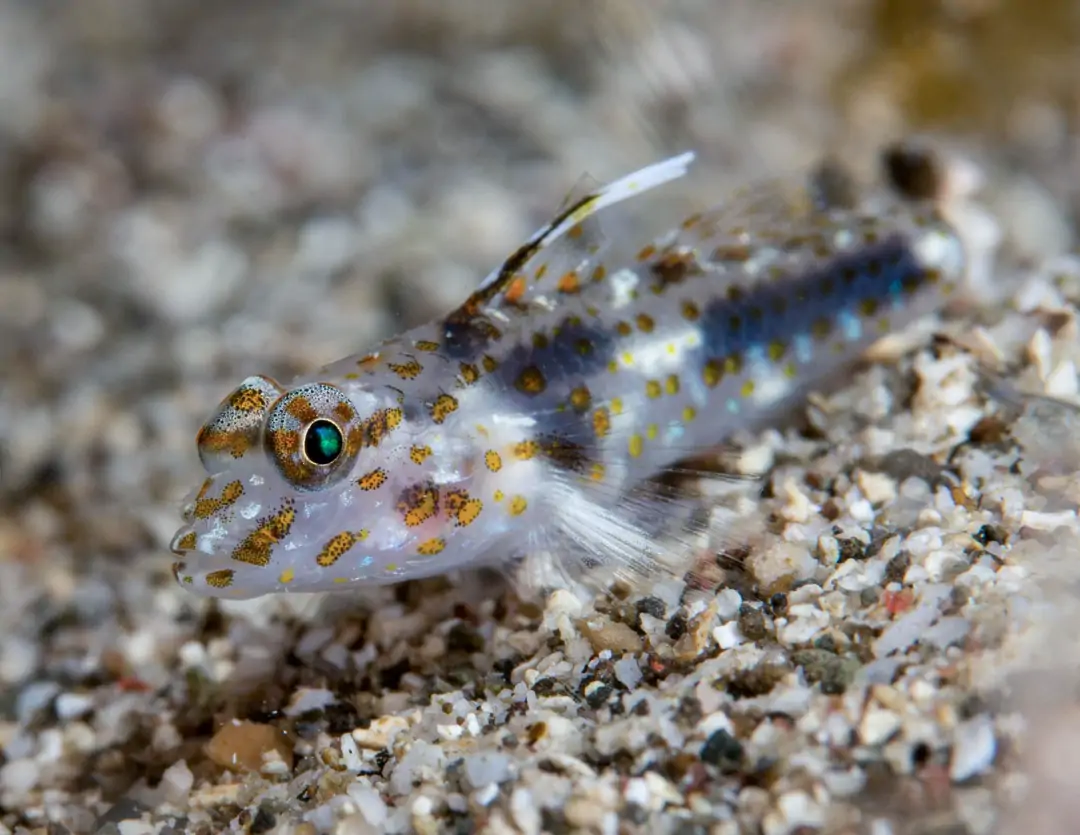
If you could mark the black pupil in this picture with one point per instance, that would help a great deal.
(323, 442)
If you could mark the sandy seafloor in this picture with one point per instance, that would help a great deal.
(193, 192)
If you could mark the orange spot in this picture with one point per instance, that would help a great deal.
(248, 400)
(525, 450)
(419, 454)
(531, 381)
(443, 406)
(187, 542)
(301, 409)
(408, 370)
(652, 389)
(468, 512)
(690, 311)
(599, 272)
(645, 323)
(221, 579)
(489, 363)
(255, 548)
(646, 253)
(344, 411)
(333, 550)
(515, 289)
(492, 460)
(601, 422)
(431, 547)
(426, 345)
(569, 283)
(580, 398)
(373, 480)
(418, 504)
(518, 505)
(469, 373)
(205, 508)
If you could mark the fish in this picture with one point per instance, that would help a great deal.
(541, 414)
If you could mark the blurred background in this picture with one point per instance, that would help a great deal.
(192, 192)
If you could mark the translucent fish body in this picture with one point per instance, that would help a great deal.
(581, 367)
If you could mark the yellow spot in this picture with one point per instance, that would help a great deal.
(489, 363)
(646, 253)
(492, 460)
(671, 385)
(541, 271)
(636, 445)
(883, 325)
(653, 389)
(394, 418)
(616, 405)
(340, 580)
(580, 398)
(419, 454)
(540, 341)
(747, 388)
(597, 472)
(221, 579)
(255, 548)
(518, 505)
(418, 505)
(689, 413)
(531, 381)
(627, 358)
(425, 345)
(333, 550)
(777, 350)
(443, 406)
(187, 542)
(408, 370)
(469, 373)
(499, 495)
(733, 364)
(287, 576)
(690, 311)
(599, 272)
(601, 422)
(612, 366)
(524, 450)
(373, 480)
(645, 323)
(468, 512)
(651, 431)
(712, 373)
(205, 508)
(248, 400)
(624, 329)
(482, 430)
(391, 567)
(790, 370)
(431, 547)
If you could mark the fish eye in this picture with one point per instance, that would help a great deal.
(313, 435)
(323, 442)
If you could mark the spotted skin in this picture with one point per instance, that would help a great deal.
(578, 369)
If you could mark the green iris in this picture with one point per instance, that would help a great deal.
(323, 442)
